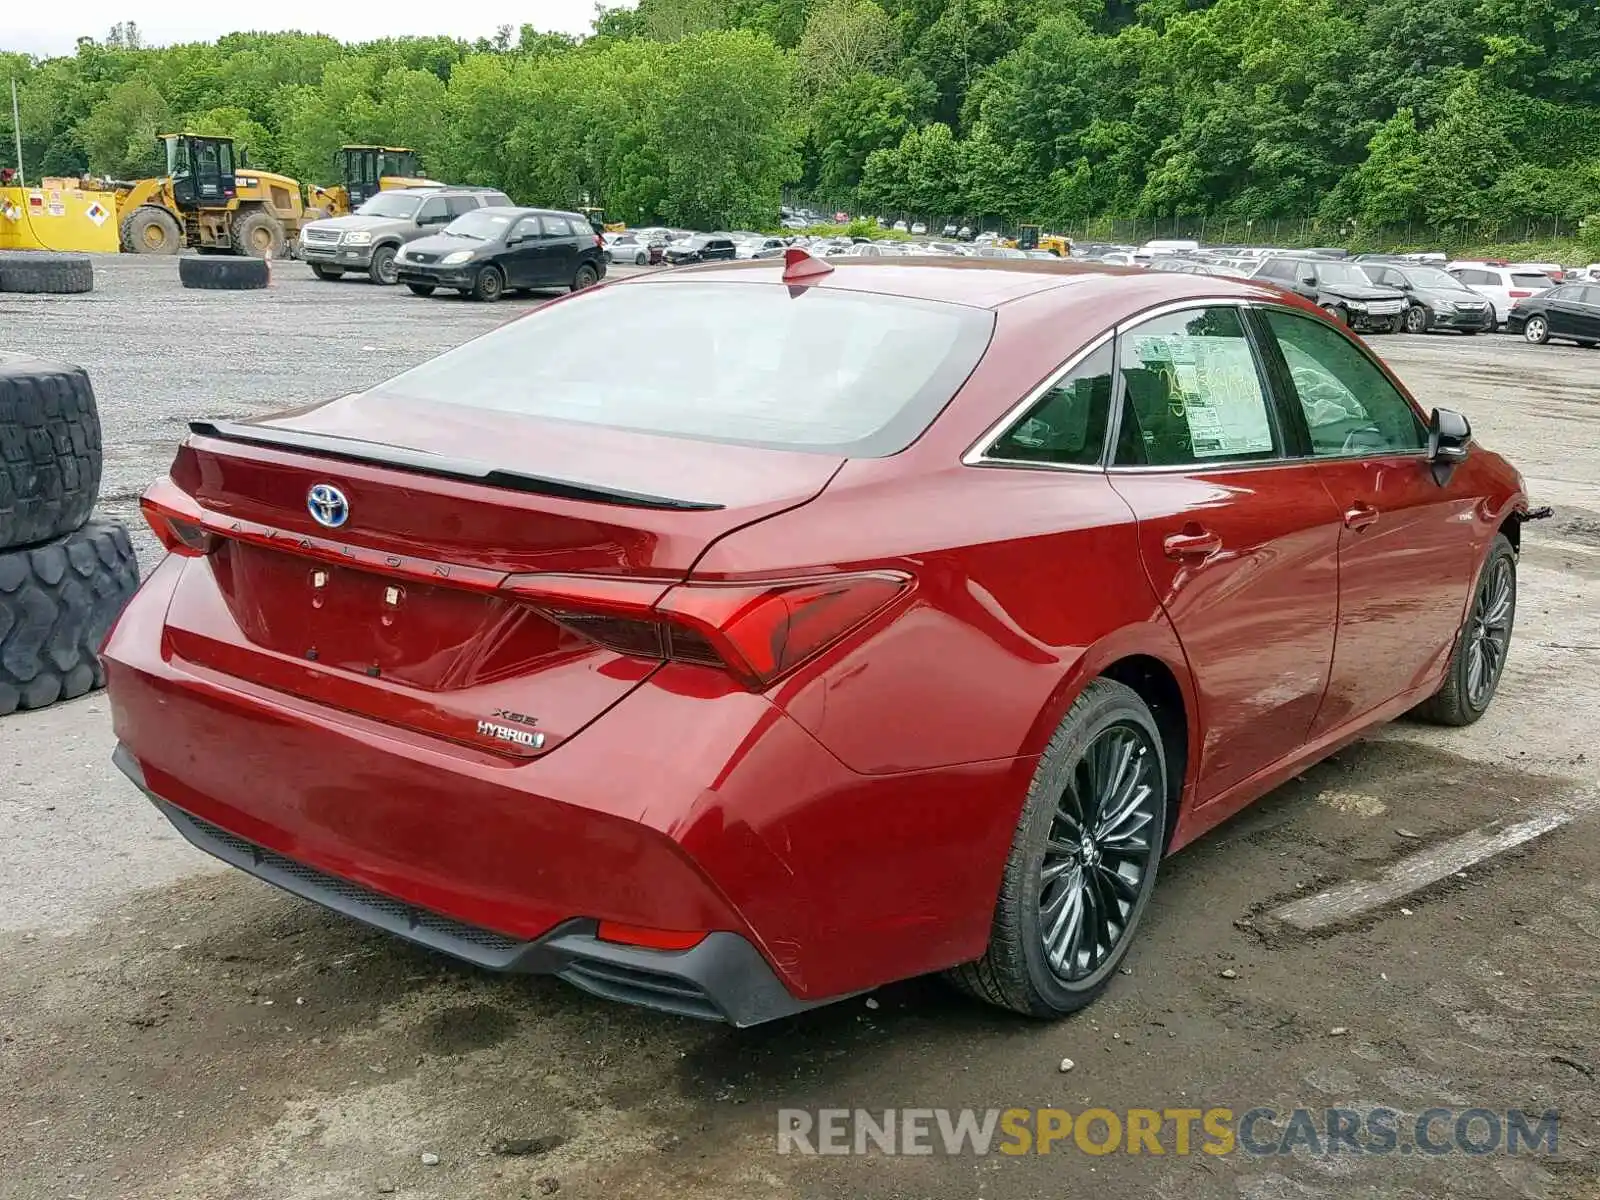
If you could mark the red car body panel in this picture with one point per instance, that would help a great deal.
(852, 819)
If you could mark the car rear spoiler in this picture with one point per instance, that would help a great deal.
(424, 463)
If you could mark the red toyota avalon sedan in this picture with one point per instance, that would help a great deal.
(898, 619)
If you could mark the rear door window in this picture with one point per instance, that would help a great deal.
(1193, 393)
(433, 211)
(1474, 278)
(556, 227)
(827, 371)
(457, 205)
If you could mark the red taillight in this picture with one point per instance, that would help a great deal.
(757, 632)
(1520, 295)
(175, 519)
(599, 242)
(649, 939)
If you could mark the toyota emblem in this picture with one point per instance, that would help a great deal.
(327, 505)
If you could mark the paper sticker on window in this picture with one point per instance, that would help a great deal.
(1213, 387)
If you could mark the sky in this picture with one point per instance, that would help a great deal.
(46, 29)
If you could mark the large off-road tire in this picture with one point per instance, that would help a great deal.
(257, 234)
(223, 274)
(40, 271)
(151, 229)
(1476, 664)
(382, 269)
(49, 450)
(1074, 861)
(57, 601)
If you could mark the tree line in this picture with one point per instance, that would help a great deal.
(1360, 113)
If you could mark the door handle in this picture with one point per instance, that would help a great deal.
(1360, 516)
(1193, 542)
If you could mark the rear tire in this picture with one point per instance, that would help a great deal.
(50, 460)
(421, 289)
(1479, 657)
(331, 274)
(488, 285)
(382, 269)
(1076, 868)
(257, 234)
(586, 277)
(57, 602)
(1536, 331)
(151, 229)
(641, 259)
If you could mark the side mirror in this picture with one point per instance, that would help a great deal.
(1308, 280)
(1449, 434)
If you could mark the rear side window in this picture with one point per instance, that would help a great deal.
(826, 371)
(1068, 424)
(1589, 295)
(1350, 407)
(432, 211)
(496, 200)
(1475, 278)
(1192, 393)
(460, 204)
(556, 227)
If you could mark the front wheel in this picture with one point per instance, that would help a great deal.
(488, 285)
(1537, 330)
(1336, 314)
(421, 289)
(328, 273)
(1082, 863)
(382, 269)
(1416, 319)
(1479, 658)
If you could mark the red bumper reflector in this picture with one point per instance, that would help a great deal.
(649, 939)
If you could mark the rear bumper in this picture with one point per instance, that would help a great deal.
(690, 805)
(723, 978)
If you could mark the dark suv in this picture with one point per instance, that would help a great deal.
(1436, 300)
(497, 250)
(1341, 289)
(368, 239)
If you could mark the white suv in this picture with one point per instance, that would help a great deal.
(1503, 284)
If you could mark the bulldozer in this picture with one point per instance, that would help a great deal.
(366, 171)
(211, 200)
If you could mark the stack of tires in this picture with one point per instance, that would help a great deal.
(63, 577)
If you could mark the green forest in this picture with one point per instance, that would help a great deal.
(1358, 114)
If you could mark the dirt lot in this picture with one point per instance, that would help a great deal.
(172, 1030)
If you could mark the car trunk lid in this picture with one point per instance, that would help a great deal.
(397, 612)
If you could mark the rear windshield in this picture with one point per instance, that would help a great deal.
(1526, 279)
(832, 372)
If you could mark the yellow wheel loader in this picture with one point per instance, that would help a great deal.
(597, 221)
(209, 201)
(366, 171)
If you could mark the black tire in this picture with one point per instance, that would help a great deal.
(1588, 343)
(151, 229)
(1014, 972)
(641, 259)
(1417, 319)
(331, 274)
(1462, 699)
(488, 285)
(1536, 330)
(50, 460)
(421, 289)
(1337, 314)
(223, 274)
(586, 277)
(57, 601)
(256, 233)
(382, 269)
(41, 272)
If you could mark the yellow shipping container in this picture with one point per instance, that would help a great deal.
(58, 216)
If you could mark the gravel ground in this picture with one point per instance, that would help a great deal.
(171, 1030)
